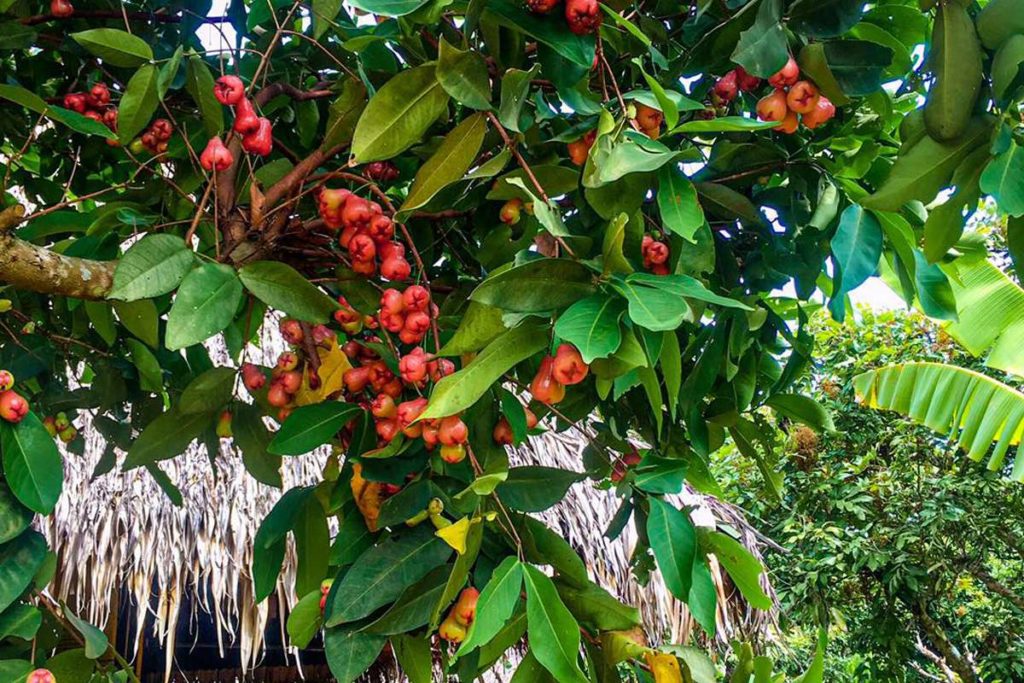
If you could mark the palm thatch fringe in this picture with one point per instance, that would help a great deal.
(119, 530)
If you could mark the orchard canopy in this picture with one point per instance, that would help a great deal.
(471, 221)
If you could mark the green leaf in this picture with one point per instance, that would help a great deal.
(448, 164)
(592, 325)
(199, 84)
(555, 34)
(114, 46)
(723, 124)
(763, 49)
(547, 214)
(96, 643)
(856, 246)
(208, 392)
(312, 546)
(1003, 178)
(536, 488)
(538, 286)
(205, 304)
(674, 541)
(19, 561)
(138, 103)
(270, 542)
(725, 202)
(141, 319)
(802, 409)
(515, 88)
(168, 72)
(311, 426)
(71, 666)
(463, 75)
(252, 437)
(166, 437)
(553, 632)
(413, 608)
(824, 18)
(151, 375)
(388, 8)
(460, 390)
(304, 620)
(72, 119)
(399, 114)
(350, 653)
(14, 517)
(32, 464)
(154, 265)
(324, 12)
(480, 325)
(494, 607)
(677, 201)
(280, 286)
(595, 607)
(415, 657)
(384, 571)
(344, 114)
(20, 621)
(611, 160)
(744, 569)
(16, 36)
(853, 68)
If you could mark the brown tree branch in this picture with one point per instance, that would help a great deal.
(937, 635)
(37, 269)
(998, 588)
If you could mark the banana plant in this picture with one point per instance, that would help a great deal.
(974, 410)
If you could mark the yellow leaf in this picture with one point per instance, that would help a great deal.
(333, 365)
(664, 667)
(455, 534)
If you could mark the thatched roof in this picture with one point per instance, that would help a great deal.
(121, 530)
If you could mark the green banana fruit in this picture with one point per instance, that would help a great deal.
(999, 20)
(955, 61)
(1006, 65)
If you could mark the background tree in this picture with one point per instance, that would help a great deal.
(453, 210)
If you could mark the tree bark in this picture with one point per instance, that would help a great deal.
(998, 588)
(935, 633)
(37, 269)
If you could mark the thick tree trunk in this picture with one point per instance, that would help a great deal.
(29, 267)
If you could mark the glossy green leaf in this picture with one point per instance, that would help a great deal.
(141, 319)
(71, 119)
(556, 34)
(138, 104)
(674, 541)
(199, 84)
(167, 437)
(413, 608)
(205, 304)
(252, 437)
(480, 325)
(349, 653)
(1003, 178)
(554, 633)
(494, 608)
(543, 285)
(535, 488)
(32, 464)
(399, 114)
(460, 390)
(592, 325)
(304, 620)
(388, 8)
(762, 49)
(856, 246)
(309, 427)
(463, 75)
(677, 202)
(20, 620)
(14, 517)
(151, 375)
(96, 643)
(114, 46)
(344, 113)
(824, 18)
(20, 559)
(209, 391)
(154, 265)
(744, 569)
(280, 286)
(447, 165)
(802, 409)
(384, 571)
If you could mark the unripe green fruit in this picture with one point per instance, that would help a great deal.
(956, 62)
(1006, 65)
(999, 20)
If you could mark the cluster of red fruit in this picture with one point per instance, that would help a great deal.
(463, 612)
(503, 434)
(579, 150)
(582, 16)
(62, 9)
(793, 101)
(366, 233)
(556, 372)
(60, 426)
(286, 377)
(655, 254)
(648, 120)
(256, 131)
(94, 104)
(13, 407)
(156, 136)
